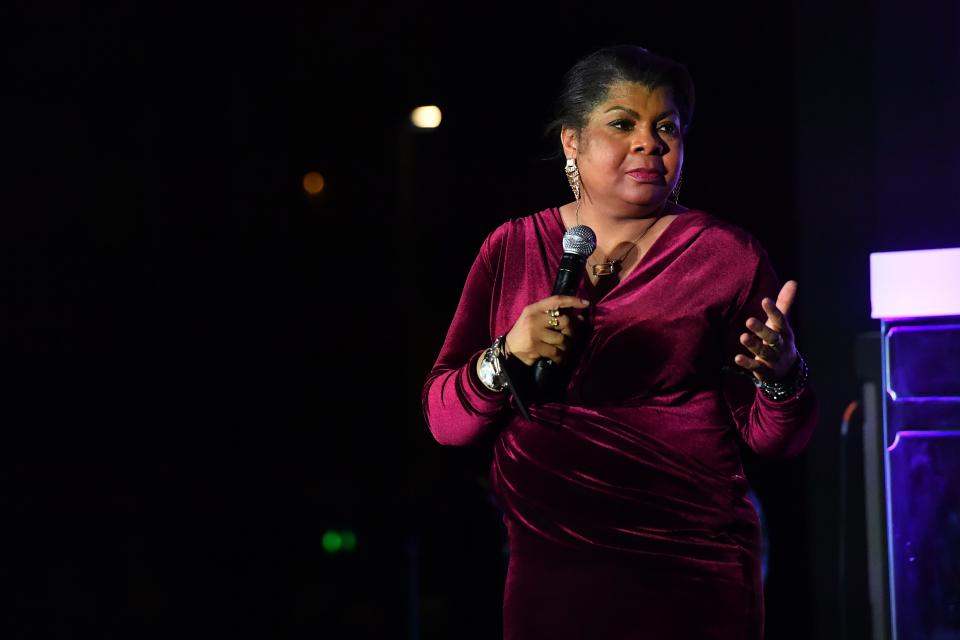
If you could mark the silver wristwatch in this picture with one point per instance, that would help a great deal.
(490, 367)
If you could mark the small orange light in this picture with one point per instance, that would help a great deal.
(313, 183)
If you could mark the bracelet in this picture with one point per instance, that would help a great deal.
(790, 386)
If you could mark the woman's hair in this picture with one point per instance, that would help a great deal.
(587, 83)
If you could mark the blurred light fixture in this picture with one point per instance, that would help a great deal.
(337, 541)
(427, 117)
(349, 540)
(332, 541)
(313, 183)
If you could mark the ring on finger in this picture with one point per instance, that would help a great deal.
(553, 323)
(553, 313)
(774, 347)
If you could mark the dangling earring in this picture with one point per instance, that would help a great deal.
(675, 194)
(573, 176)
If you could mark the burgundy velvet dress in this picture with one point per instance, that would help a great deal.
(625, 504)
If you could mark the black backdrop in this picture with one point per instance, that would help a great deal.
(205, 369)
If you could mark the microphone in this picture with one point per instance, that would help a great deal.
(578, 244)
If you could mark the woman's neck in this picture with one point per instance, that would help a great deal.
(618, 225)
(617, 230)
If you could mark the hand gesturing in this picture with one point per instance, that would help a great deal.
(772, 343)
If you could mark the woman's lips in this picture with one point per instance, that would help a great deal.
(646, 175)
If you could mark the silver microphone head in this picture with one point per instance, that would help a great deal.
(580, 240)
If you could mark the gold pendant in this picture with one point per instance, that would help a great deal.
(606, 268)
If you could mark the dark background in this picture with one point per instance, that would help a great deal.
(205, 369)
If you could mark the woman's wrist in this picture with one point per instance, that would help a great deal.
(788, 387)
(491, 364)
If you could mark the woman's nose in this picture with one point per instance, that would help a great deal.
(649, 143)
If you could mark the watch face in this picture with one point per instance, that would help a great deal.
(489, 375)
(486, 372)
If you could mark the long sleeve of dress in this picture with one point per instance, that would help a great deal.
(456, 405)
(771, 428)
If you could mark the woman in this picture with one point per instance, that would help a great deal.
(625, 502)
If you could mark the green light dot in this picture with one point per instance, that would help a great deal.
(332, 541)
(349, 540)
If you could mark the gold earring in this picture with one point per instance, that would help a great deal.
(675, 194)
(573, 176)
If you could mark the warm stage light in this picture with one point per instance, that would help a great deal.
(313, 183)
(426, 117)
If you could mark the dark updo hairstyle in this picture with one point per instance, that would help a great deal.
(587, 83)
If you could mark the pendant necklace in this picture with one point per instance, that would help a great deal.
(613, 267)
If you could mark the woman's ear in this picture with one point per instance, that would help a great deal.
(569, 140)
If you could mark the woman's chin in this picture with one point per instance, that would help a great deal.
(647, 200)
(645, 194)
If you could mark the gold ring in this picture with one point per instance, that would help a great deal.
(553, 323)
(553, 313)
(773, 350)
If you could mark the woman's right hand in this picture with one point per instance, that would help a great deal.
(532, 338)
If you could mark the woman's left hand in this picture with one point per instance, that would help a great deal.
(771, 343)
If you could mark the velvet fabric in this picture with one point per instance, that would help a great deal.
(625, 503)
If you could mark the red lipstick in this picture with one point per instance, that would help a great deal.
(646, 175)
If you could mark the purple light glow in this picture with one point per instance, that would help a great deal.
(921, 434)
(915, 284)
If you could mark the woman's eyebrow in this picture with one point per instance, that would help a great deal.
(637, 115)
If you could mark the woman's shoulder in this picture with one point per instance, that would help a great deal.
(521, 228)
(720, 234)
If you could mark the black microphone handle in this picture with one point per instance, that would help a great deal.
(546, 373)
(569, 274)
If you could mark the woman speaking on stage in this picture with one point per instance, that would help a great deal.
(622, 488)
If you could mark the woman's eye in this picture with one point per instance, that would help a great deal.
(668, 127)
(623, 125)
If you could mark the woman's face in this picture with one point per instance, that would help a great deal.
(631, 150)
